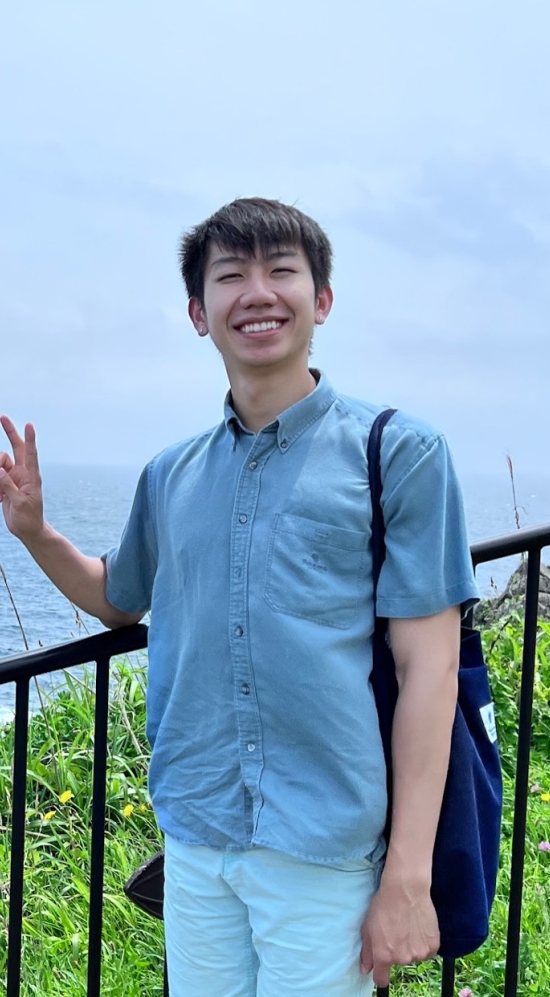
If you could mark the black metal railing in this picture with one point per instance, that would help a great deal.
(101, 648)
(530, 542)
(21, 669)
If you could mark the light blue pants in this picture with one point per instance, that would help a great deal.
(259, 923)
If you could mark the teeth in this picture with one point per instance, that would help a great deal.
(260, 326)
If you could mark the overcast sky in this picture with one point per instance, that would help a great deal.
(417, 133)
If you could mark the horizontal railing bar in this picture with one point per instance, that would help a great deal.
(522, 541)
(134, 638)
(77, 652)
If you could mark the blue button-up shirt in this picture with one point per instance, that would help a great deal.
(253, 553)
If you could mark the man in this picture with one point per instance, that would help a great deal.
(250, 545)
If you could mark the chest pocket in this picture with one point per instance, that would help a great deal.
(315, 571)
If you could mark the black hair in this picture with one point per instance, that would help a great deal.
(249, 225)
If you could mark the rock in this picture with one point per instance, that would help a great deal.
(489, 611)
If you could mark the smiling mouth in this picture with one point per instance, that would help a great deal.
(252, 327)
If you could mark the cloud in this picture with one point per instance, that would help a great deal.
(494, 212)
(417, 135)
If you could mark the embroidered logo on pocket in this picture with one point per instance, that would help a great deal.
(313, 562)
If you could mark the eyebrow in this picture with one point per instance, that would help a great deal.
(275, 254)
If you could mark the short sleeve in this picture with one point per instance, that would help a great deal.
(131, 567)
(428, 565)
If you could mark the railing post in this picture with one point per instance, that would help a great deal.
(98, 827)
(18, 837)
(448, 978)
(522, 773)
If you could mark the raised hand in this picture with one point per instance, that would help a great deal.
(80, 578)
(20, 483)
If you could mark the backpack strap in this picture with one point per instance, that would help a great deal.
(375, 481)
(383, 678)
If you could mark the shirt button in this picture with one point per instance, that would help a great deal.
(253, 465)
(251, 747)
(284, 444)
(245, 689)
(239, 631)
(243, 519)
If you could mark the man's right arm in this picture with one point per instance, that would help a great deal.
(80, 578)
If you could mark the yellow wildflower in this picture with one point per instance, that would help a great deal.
(545, 797)
(49, 815)
(142, 808)
(66, 796)
(128, 809)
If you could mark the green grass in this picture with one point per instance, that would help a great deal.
(57, 869)
(58, 843)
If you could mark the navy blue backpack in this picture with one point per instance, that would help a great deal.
(466, 852)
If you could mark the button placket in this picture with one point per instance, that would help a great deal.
(246, 705)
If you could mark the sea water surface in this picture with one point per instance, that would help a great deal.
(89, 505)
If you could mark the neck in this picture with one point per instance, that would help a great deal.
(259, 399)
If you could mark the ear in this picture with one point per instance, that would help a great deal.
(323, 305)
(197, 315)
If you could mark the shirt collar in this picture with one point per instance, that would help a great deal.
(291, 423)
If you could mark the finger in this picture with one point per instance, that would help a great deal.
(7, 486)
(18, 445)
(5, 461)
(366, 961)
(31, 453)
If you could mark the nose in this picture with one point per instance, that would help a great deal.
(258, 291)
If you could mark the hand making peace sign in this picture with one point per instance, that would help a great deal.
(20, 483)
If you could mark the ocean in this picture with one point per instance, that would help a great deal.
(89, 505)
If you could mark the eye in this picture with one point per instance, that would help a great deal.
(283, 270)
(228, 276)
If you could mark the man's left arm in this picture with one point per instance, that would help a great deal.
(401, 924)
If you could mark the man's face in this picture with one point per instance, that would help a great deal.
(259, 311)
